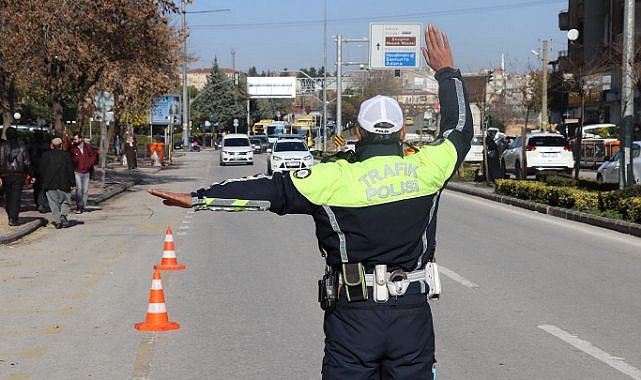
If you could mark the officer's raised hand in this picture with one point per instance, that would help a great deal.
(437, 54)
(173, 199)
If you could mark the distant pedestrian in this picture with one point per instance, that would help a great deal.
(57, 180)
(36, 149)
(493, 166)
(118, 144)
(84, 157)
(131, 152)
(15, 165)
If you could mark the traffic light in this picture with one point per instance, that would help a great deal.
(490, 75)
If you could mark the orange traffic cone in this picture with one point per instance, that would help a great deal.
(169, 261)
(157, 318)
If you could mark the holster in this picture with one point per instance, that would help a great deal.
(328, 289)
(354, 282)
(433, 280)
(381, 294)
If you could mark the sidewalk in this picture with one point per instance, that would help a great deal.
(117, 180)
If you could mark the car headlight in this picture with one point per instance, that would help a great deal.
(308, 158)
(276, 158)
(225, 153)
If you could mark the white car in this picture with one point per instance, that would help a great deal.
(236, 148)
(475, 154)
(609, 170)
(289, 154)
(544, 152)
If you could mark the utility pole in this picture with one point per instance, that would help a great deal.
(339, 77)
(544, 89)
(627, 95)
(325, 78)
(185, 113)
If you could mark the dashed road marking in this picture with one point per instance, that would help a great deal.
(587, 347)
(457, 277)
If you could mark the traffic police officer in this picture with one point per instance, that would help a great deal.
(373, 218)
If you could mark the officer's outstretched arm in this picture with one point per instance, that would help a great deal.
(173, 199)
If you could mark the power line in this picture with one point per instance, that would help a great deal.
(459, 11)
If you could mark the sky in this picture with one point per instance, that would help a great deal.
(274, 35)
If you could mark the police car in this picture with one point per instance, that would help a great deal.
(289, 154)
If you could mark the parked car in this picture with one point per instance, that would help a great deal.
(609, 170)
(350, 145)
(289, 154)
(544, 152)
(236, 148)
(475, 154)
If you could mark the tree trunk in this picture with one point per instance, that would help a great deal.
(7, 96)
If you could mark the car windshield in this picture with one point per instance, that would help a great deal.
(289, 146)
(236, 142)
(255, 141)
(477, 140)
(547, 141)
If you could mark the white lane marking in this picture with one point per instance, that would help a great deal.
(587, 347)
(181, 233)
(183, 227)
(457, 277)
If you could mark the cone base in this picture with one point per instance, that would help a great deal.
(163, 326)
(170, 267)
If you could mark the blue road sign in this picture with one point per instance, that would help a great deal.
(400, 59)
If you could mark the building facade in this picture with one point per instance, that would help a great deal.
(589, 71)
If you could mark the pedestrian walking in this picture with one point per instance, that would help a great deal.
(57, 180)
(131, 152)
(118, 145)
(15, 166)
(37, 147)
(372, 218)
(84, 157)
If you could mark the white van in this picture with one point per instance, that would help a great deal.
(236, 148)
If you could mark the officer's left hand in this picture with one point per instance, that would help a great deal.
(173, 199)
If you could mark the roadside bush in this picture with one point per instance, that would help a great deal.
(633, 208)
(615, 204)
(465, 173)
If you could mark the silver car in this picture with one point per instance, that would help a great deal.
(609, 170)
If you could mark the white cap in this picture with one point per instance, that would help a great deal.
(380, 109)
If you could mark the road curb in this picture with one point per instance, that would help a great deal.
(111, 191)
(23, 230)
(559, 212)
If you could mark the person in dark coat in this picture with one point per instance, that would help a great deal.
(57, 180)
(493, 157)
(37, 147)
(14, 166)
(131, 152)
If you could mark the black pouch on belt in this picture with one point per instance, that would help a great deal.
(354, 281)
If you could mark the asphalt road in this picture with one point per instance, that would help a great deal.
(525, 295)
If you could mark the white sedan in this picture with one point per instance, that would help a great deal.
(609, 170)
(289, 154)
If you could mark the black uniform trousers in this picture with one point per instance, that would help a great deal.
(12, 185)
(368, 340)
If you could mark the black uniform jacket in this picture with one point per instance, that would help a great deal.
(376, 210)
